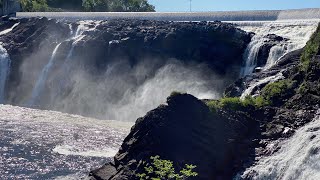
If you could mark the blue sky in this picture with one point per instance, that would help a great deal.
(232, 5)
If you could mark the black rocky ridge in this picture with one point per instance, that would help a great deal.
(226, 141)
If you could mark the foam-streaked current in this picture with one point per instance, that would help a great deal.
(38, 144)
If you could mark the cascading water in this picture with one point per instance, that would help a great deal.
(9, 30)
(5, 64)
(78, 36)
(298, 158)
(259, 82)
(43, 77)
(4, 71)
(296, 34)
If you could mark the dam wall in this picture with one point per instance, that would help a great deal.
(263, 15)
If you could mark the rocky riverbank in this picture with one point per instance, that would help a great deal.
(223, 137)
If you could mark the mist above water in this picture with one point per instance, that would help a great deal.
(124, 92)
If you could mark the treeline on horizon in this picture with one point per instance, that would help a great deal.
(86, 5)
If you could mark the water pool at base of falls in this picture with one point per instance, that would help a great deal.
(38, 144)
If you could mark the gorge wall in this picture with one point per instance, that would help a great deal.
(116, 69)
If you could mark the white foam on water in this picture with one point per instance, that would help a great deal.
(298, 158)
(39, 144)
(76, 151)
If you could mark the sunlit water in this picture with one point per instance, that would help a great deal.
(37, 144)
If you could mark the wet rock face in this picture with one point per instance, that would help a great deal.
(284, 65)
(186, 132)
(30, 45)
(271, 41)
(215, 44)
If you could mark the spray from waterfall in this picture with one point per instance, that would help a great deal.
(43, 77)
(78, 36)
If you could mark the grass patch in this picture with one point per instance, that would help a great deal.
(277, 91)
(235, 103)
(310, 50)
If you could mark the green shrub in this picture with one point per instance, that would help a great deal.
(34, 5)
(235, 103)
(163, 170)
(118, 5)
(311, 49)
(273, 92)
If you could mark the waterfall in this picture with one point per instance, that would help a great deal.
(297, 34)
(298, 158)
(5, 64)
(4, 71)
(251, 54)
(43, 77)
(78, 36)
(84, 26)
(9, 30)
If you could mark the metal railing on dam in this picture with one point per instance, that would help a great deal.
(263, 15)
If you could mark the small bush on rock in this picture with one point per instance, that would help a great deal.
(235, 103)
(310, 50)
(274, 92)
(163, 170)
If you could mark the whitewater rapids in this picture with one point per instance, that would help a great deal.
(298, 158)
(38, 144)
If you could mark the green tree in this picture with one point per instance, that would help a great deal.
(117, 5)
(34, 5)
(163, 170)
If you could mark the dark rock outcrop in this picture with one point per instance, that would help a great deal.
(186, 132)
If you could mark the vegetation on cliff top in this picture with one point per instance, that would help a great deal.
(310, 50)
(87, 5)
